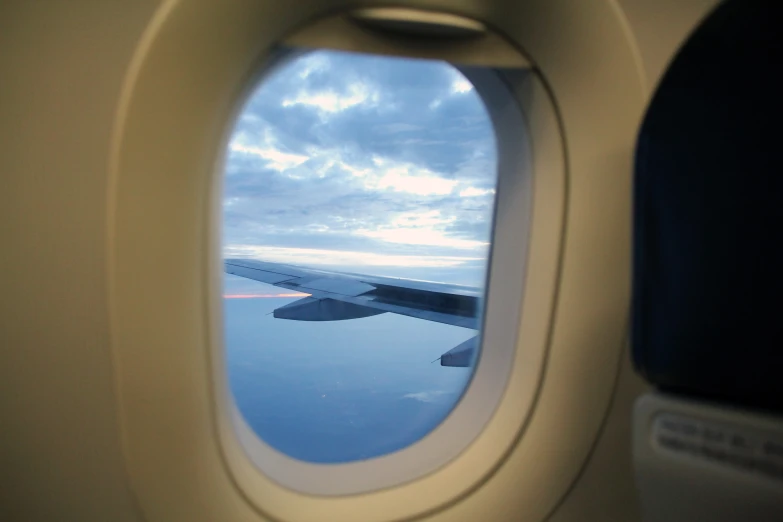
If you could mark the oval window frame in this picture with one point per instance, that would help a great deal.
(502, 308)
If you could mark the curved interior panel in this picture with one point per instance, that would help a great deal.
(549, 356)
(116, 406)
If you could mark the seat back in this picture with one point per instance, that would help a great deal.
(707, 327)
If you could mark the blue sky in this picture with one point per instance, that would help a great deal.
(371, 164)
(366, 164)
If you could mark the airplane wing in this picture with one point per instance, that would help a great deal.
(337, 296)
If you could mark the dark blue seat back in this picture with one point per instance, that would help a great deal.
(708, 216)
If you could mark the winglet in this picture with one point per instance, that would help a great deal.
(462, 355)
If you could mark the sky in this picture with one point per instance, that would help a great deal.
(365, 164)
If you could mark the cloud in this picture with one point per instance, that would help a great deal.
(423, 228)
(461, 86)
(311, 63)
(337, 161)
(325, 257)
(276, 159)
(331, 101)
(473, 192)
(405, 177)
(414, 236)
(257, 140)
(426, 396)
(394, 128)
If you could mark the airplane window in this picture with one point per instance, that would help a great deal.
(357, 220)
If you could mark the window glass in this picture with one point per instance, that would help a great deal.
(358, 204)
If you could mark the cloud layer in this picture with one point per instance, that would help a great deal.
(370, 164)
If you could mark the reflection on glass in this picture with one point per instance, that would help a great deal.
(359, 193)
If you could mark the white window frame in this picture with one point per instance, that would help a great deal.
(499, 332)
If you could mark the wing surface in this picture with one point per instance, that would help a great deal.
(336, 296)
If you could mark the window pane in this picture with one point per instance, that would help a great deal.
(358, 204)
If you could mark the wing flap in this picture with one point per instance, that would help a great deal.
(315, 309)
(418, 313)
